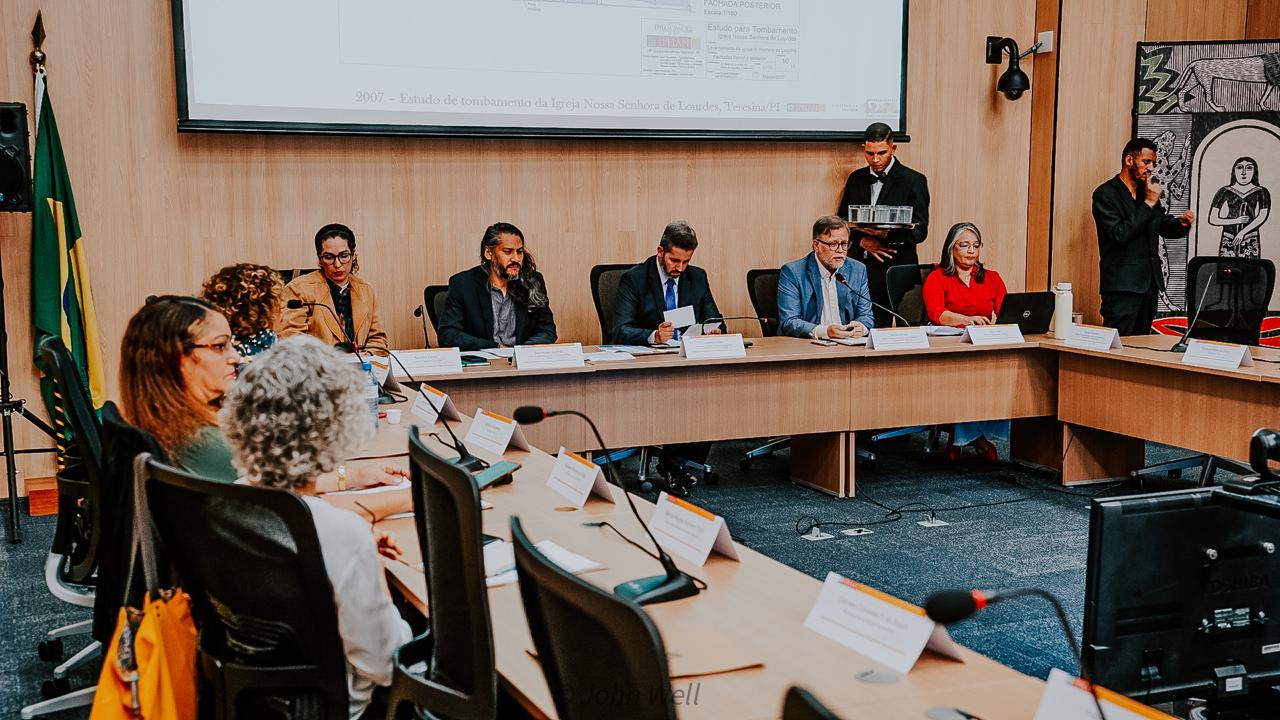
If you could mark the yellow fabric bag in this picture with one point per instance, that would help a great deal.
(150, 668)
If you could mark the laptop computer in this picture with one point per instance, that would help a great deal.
(1031, 311)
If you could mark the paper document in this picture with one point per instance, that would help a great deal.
(943, 330)
(682, 317)
(607, 356)
(500, 561)
(630, 349)
(850, 341)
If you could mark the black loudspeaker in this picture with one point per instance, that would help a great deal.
(15, 160)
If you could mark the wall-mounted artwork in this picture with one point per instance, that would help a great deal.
(1213, 111)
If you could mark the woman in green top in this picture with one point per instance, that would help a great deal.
(177, 361)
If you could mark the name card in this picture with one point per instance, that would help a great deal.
(993, 334)
(890, 631)
(493, 434)
(1220, 355)
(576, 478)
(907, 338)
(1093, 337)
(1068, 698)
(709, 347)
(431, 403)
(547, 357)
(433, 361)
(686, 530)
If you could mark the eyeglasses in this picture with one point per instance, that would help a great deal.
(226, 346)
(844, 245)
(341, 258)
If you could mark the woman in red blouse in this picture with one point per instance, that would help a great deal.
(959, 292)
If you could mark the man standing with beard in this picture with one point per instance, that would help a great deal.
(502, 302)
(1130, 222)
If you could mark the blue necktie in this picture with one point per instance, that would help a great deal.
(670, 299)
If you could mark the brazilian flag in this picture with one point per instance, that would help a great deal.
(61, 300)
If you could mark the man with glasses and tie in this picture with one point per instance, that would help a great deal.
(824, 294)
(336, 306)
(665, 282)
(885, 181)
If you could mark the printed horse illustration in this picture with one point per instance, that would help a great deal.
(1203, 72)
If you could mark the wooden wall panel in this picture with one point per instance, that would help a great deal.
(1195, 19)
(161, 211)
(1263, 19)
(1044, 117)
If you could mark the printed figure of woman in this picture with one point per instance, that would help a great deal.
(1240, 209)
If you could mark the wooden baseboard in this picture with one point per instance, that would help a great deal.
(42, 496)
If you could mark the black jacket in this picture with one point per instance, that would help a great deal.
(1129, 233)
(467, 320)
(640, 302)
(904, 186)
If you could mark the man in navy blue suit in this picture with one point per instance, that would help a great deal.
(824, 294)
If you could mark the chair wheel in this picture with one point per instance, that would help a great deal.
(711, 478)
(50, 650)
(744, 465)
(57, 687)
(1175, 474)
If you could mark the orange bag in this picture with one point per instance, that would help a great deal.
(150, 668)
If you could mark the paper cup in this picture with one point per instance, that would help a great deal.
(393, 416)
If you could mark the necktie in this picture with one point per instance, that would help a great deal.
(670, 299)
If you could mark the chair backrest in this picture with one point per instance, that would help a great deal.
(800, 704)
(121, 443)
(905, 287)
(604, 291)
(602, 656)
(251, 561)
(434, 298)
(446, 511)
(762, 288)
(289, 275)
(1236, 293)
(78, 535)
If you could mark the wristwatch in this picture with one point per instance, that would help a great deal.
(342, 478)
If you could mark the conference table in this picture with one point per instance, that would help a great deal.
(1084, 413)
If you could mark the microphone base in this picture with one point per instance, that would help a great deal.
(657, 589)
(1179, 347)
(470, 463)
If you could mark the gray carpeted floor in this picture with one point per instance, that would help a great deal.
(1039, 540)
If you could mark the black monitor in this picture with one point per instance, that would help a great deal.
(1182, 597)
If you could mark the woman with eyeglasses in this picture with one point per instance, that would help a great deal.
(960, 292)
(336, 306)
(177, 360)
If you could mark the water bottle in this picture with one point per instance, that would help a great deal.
(1063, 305)
(371, 391)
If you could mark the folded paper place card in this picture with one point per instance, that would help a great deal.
(430, 404)
(1220, 355)
(993, 334)
(576, 478)
(434, 361)
(686, 530)
(890, 631)
(710, 347)
(907, 338)
(548, 357)
(493, 434)
(1093, 337)
(1068, 698)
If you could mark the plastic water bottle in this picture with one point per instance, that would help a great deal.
(371, 391)
(1063, 305)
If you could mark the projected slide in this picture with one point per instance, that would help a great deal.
(597, 66)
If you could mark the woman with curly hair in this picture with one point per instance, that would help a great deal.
(291, 418)
(250, 296)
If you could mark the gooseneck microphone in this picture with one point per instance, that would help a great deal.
(764, 321)
(675, 584)
(1181, 345)
(420, 313)
(951, 606)
(840, 279)
(466, 460)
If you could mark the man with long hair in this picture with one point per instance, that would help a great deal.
(502, 302)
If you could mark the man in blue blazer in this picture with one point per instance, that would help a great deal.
(815, 299)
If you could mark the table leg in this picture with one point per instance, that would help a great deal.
(1093, 455)
(824, 461)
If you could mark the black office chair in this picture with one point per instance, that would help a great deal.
(459, 681)
(604, 291)
(905, 285)
(433, 298)
(762, 288)
(1233, 295)
(800, 704)
(595, 648)
(250, 559)
(71, 567)
(288, 275)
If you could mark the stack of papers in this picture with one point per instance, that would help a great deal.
(500, 561)
(850, 341)
(607, 356)
(941, 330)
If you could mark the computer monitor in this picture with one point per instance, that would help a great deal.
(1182, 597)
